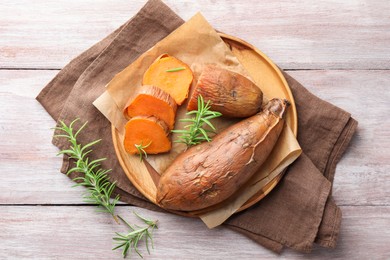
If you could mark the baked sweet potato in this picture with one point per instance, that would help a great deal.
(150, 132)
(171, 75)
(230, 93)
(209, 173)
(152, 101)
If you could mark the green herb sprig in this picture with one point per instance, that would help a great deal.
(195, 132)
(99, 188)
(137, 233)
(141, 150)
(175, 69)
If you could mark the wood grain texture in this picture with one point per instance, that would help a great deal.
(361, 179)
(27, 158)
(366, 164)
(33, 232)
(295, 34)
(340, 50)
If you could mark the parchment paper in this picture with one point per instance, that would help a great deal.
(196, 43)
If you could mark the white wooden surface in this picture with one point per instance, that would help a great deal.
(340, 50)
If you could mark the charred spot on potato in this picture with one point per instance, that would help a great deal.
(233, 93)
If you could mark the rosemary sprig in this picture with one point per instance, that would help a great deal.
(175, 69)
(131, 239)
(141, 150)
(99, 189)
(195, 132)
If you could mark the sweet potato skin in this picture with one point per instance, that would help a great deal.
(230, 93)
(152, 101)
(209, 173)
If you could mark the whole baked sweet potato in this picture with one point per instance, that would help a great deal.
(209, 173)
(230, 93)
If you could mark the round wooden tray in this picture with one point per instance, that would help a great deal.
(273, 84)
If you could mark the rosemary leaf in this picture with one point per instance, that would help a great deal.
(96, 181)
(100, 190)
(176, 69)
(130, 240)
(195, 132)
(141, 150)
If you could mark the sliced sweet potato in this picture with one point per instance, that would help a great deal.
(146, 131)
(230, 93)
(171, 75)
(152, 101)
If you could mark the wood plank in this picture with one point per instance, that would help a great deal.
(71, 232)
(365, 94)
(295, 34)
(29, 161)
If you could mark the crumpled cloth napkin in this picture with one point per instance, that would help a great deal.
(300, 211)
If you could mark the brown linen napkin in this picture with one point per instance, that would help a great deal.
(298, 212)
(288, 213)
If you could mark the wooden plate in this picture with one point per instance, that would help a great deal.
(273, 84)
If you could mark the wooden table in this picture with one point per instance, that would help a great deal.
(340, 50)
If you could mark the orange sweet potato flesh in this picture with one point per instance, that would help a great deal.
(176, 83)
(230, 93)
(144, 130)
(152, 101)
(209, 173)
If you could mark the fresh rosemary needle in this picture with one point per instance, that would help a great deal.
(95, 179)
(99, 189)
(141, 150)
(175, 69)
(137, 233)
(195, 132)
